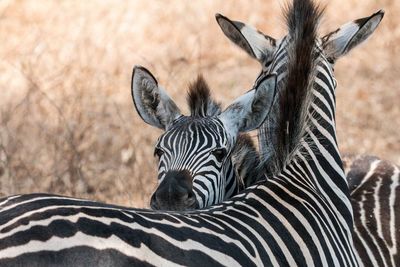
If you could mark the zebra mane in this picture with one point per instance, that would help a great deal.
(302, 19)
(199, 99)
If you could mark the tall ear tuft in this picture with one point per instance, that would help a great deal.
(152, 103)
(341, 41)
(250, 110)
(255, 43)
(199, 99)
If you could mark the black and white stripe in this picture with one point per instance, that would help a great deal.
(375, 196)
(189, 145)
(301, 216)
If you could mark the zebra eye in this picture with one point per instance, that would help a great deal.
(158, 152)
(219, 153)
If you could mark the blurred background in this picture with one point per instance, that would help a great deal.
(67, 122)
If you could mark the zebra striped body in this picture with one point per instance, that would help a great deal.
(300, 216)
(375, 197)
(77, 232)
(373, 183)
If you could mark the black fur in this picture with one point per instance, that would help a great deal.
(302, 20)
(199, 99)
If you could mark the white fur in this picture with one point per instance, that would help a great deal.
(165, 112)
(240, 116)
(350, 35)
(259, 44)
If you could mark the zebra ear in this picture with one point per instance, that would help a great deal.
(341, 41)
(256, 44)
(152, 103)
(250, 110)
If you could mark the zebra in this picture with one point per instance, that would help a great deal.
(373, 183)
(81, 232)
(197, 166)
(301, 216)
(374, 186)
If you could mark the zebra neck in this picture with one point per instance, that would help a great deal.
(234, 183)
(317, 160)
(319, 143)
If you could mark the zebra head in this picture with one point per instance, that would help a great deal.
(195, 151)
(264, 48)
(274, 55)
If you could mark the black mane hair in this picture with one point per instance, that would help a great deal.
(199, 99)
(302, 19)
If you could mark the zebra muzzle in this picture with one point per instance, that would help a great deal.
(175, 192)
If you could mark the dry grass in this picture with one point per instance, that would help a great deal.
(67, 123)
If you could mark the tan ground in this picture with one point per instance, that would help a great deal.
(67, 123)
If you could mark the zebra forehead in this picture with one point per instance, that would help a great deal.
(197, 125)
(199, 99)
